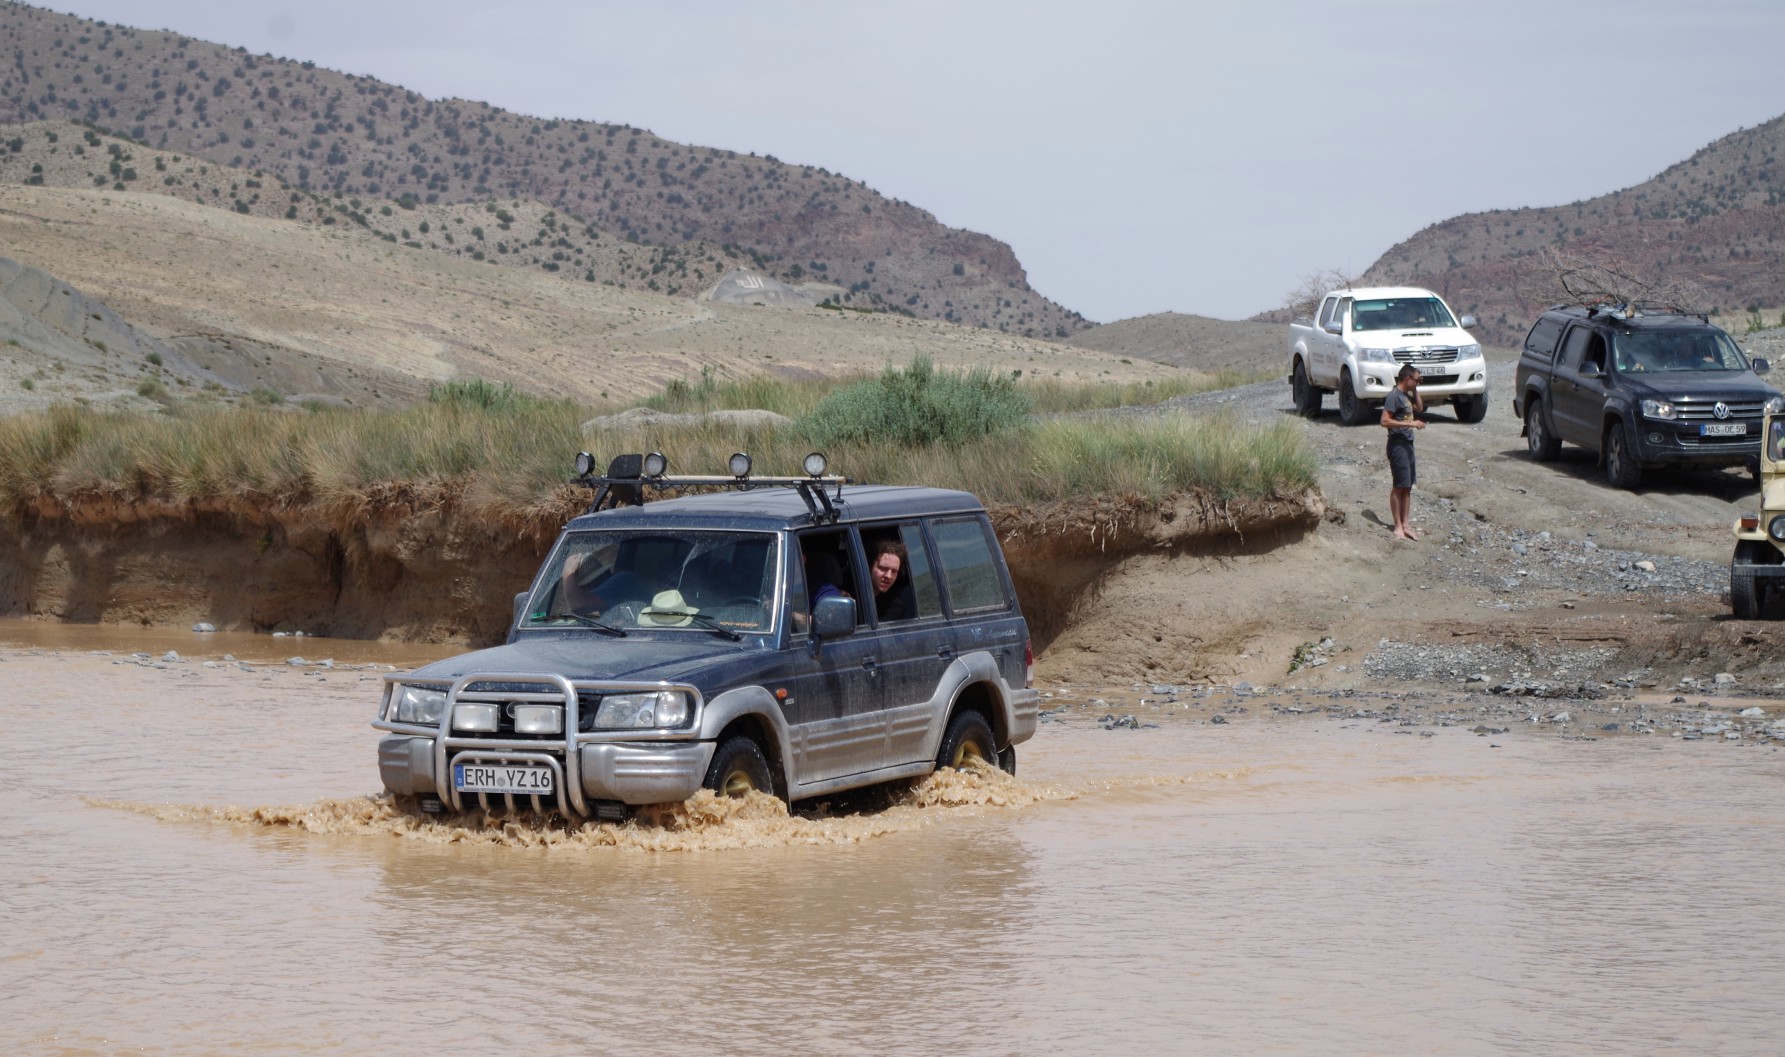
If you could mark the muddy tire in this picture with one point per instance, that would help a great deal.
(1352, 411)
(1621, 468)
(1470, 408)
(1307, 398)
(738, 767)
(1544, 445)
(968, 737)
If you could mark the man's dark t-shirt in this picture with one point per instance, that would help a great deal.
(1400, 408)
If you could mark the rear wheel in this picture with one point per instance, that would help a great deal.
(969, 738)
(1352, 411)
(1621, 468)
(1307, 398)
(1470, 408)
(1747, 594)
(739, 767)
(1544, 445)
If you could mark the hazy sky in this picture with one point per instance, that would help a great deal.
(1139, 156)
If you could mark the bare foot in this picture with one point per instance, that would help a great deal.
(1398, 534)
(1412, 535)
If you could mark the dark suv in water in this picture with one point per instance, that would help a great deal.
(733, 640)
(1642, 387)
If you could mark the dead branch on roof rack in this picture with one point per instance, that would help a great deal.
(1556, 276)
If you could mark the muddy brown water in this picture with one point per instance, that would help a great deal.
(191, 863)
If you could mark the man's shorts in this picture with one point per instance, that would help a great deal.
(1400, 462)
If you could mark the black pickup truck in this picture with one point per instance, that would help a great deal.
(1642, 388)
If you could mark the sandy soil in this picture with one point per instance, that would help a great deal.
(1527, 576)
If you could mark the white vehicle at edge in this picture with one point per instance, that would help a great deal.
(1360, 337)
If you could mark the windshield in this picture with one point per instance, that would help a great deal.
(1400, 313)
(1676, 350)
(654, 579)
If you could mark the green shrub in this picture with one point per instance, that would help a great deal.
(918, 407)
(152, 389)
(479, 393)
(263, 395)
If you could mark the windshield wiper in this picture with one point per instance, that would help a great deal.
(708, 622)
(591, 622)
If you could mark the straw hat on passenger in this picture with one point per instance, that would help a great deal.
(667, 610)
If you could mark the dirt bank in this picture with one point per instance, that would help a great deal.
(430, 566)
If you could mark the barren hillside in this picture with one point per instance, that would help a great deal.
(1195, 342)
(339, 312)
(1716, 219)
(346, 137)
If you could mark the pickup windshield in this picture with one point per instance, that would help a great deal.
(1400, 313)
(1684, 350)
(645, 578)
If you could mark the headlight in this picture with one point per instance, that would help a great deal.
(663, 708)
(420, 704)
(1774, 406)
(1468, 352)
(477, 717)
(1376, 355)
(1776, 528)
(1658, 409)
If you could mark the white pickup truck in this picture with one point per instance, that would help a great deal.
(1360, 337)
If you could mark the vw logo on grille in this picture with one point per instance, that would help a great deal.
(1721, 410)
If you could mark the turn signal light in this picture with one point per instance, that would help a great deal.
(1749, 522)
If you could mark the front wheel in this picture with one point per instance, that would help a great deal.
(1306, 396)
(1621, 468)
(1470, 408)
(969, 737)
(1544, 445)
(1352, 411)
(1747, 594)
(738, 768)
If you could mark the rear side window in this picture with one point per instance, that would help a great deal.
(1326, 310)
(1541, 341)
(968, 569)
(1576, 345)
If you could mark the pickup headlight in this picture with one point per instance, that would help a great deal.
(1375, 356)
(1774, 406)
(1468, 352)
(662, 708)
(1658, 409)
(420, 704)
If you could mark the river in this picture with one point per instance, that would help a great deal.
(192, 864)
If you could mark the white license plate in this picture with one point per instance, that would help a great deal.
(1723, 429)
(501, 778)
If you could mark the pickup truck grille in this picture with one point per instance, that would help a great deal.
(1424, 357)
(1705, 410)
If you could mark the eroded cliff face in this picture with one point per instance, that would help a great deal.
(429, 568)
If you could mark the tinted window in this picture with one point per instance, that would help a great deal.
(968, 568)
(1574, 346)
(1326, 310)
(923, 581)
(1542, 339)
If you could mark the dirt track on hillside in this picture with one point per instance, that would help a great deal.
(1530, 578)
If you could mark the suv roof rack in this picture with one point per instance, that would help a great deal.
(629, 475)
(1625, 310)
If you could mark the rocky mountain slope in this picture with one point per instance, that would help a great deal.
(1716, 219)
(342, 137)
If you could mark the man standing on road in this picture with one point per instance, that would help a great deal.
(1397, 417)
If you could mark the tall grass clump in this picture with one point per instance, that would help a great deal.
(479, 393)
(764, 392)
(918, 407)
(1054, 395)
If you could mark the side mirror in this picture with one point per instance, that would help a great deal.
(833, 618)
(1590, 370)
(1466, 322)
(1333, 326)
(1760, 365)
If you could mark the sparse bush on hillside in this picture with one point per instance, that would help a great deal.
(918, 407)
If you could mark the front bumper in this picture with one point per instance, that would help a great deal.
(626, 772)
(1442, 381)
(1665, 442)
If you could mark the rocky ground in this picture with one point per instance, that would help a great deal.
(1537, 594)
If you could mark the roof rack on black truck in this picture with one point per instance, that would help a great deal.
(732, 640)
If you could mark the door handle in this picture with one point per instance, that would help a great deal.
(871, 663)
(946, 651)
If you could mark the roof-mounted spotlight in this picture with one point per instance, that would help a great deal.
(655, 464)
(815, 464)
(585, 464)
(738, 464)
